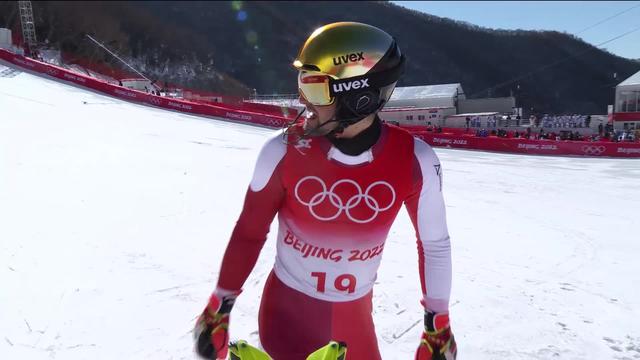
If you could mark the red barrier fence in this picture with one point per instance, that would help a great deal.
(235, 103)
(266, 109)
(97, 67)
(535, 147)
(230, 112)
(273, 116)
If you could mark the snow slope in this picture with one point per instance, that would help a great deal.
(114, 217)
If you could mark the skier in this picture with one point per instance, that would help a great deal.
(336, 182)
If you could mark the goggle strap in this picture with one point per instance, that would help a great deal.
(375, 80)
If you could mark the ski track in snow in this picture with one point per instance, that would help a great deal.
(114, 218)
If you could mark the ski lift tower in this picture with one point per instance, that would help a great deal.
(28, 26)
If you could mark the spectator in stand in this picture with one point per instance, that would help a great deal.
(516, 134)
(528, 135)
(600, 129)
(468, 120)
(622, 137)
(429, 126)
(566, 121)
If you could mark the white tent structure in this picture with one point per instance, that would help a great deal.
(628, 94)
(627, 107)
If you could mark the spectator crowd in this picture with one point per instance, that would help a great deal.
(606, 134)
(561, 121)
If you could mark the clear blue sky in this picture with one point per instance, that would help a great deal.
(565, 16)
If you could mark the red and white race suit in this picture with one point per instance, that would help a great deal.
(334, 214)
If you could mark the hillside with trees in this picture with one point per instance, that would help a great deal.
(236, 47)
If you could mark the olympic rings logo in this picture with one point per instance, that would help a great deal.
(272, 122)
(275, 122)
(339, 204)
(593, 150)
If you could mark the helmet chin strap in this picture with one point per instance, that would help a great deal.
(306, 133)
(342, 123)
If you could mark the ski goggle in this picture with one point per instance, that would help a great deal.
(314, 87)
(320, 89)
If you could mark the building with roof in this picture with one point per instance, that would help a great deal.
(448, 96)
(427, 96)
(628, 94)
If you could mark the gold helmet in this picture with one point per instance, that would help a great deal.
(356, 64)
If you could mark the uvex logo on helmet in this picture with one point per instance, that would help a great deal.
(343, 59)
(355, 84)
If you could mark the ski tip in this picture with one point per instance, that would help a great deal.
(334, 350)
(241, 350)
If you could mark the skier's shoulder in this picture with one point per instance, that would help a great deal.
(272, 152)
(274, 146)
(424, 153)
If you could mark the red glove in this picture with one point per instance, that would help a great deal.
(437, 340)
(211, 332)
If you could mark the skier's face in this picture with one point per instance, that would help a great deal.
(316, 115)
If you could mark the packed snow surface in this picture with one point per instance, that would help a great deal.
(114, 218)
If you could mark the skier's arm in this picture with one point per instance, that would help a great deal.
(427, 211)
(262, 201)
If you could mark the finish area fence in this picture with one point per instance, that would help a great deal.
(279, 116)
